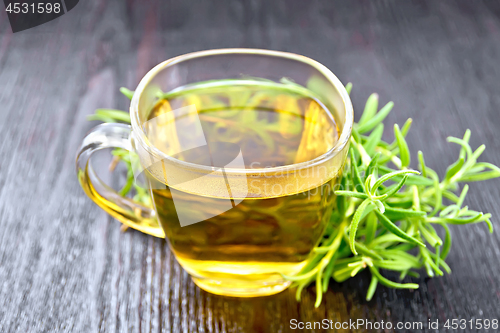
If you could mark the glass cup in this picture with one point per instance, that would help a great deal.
(235, 229)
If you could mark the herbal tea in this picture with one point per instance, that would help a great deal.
(268, 231)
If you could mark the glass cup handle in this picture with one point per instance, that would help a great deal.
(125, 210)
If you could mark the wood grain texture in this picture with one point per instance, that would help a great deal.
(64, 264)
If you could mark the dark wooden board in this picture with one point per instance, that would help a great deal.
(65, 266)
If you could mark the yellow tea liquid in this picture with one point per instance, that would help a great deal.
(242, 251)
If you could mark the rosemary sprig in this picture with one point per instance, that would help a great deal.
(386, 213)
(392, 226)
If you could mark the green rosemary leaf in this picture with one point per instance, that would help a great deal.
(356, 136)
(451, 209)
(438, 194)
(429, 262)
(335, 243)
(341, 275)
(342, 270)
(371, 288)
(395, 265)
(348, 87)
(366, 251)
(319, 294)
(372, 167)
(403, 147)
(341, 200)
(465, 139)
(461, 199)
(418, 180)
(466, 149)
(389, 283)
(351, 194)
(127, 92)
(392, 191)
(490, 225)
(422, 163)
(128, 185)
(355, 222)
(479, 176)
(102, 118)
(377, 119)
(389, 225)
(442, 263)
(387, 238)
(371, 227)
(450, 196)
(327, 273)
(475, 155)
(401, 255)
(486, 165)
(357, 182)
(399, 213)
(116, 115)
(404, 131)
(430, 235)
(370, 110)
(437, 258)
(380, 205)
(473, 219)
(406, 127)
(373, 140)
(388, 176)
(454, 168)
(301, 286)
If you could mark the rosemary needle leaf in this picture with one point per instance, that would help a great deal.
(117, 115)
(341, 200)
(479, 176)
(128, 185)
(400, 213)
(396, 189)
(367, 252)
(377, 119)
(327, 273)
(371, 228)
(454, 168)
(486, 165)
(102, 118)
(127, 92)
(372, 167)
(393, 174)
(406, 127)
(404, 153)
(429, 236)
(357, 182)
(389, 225)
(372, 288)
(348, 87)
(466, 149)
(404, 131)
(380, 205)
(319, 294)
(391, 284)
(374, 139)
(422, 163)
(354, 224)
(351, 194)
(370, 110)
(461, 199)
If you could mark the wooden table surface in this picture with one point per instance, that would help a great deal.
(65, 266)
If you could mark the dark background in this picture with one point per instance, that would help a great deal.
(65, 266)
